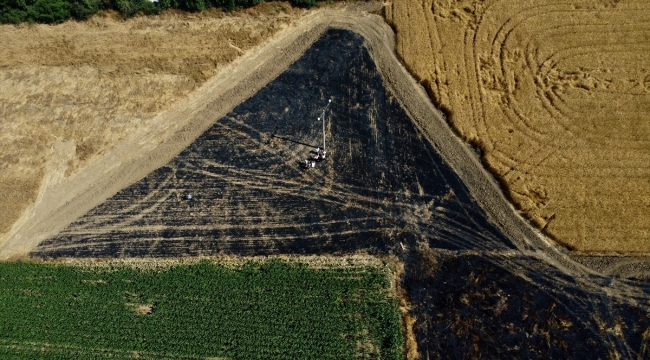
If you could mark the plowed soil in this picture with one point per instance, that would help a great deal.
(74, 91)
(556, 96)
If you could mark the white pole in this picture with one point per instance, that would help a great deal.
(328, 104)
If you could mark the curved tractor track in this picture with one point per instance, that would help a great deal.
(396, 181)
(555, 95)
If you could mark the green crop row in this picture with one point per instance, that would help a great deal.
(57, 11)
(273, 310)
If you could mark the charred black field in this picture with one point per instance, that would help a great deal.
(384, 190)
(471, 306)
(381, 183)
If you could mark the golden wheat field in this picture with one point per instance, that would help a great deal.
(72, 91)
(556, 94)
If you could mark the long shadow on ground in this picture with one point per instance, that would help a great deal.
(383, 189)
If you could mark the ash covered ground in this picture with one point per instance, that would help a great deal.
(382, 182)
(383, 189)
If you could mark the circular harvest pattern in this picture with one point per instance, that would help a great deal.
(555, 94)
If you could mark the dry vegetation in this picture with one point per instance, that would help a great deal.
(557, 97)
(72, 91)
(236, 261)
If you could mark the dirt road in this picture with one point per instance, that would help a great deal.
(73, 91)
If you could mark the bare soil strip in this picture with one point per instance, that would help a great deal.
(313, 261)
(615, 265)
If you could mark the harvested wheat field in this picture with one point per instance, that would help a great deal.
(73, 91)
(556, 95)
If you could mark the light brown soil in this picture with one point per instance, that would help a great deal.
(141, 309)
(408, 321)
(232, 261)
(557, 97)
(73, 91)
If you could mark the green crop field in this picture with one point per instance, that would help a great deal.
(269, 310)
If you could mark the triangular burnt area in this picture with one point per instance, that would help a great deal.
(382, 187)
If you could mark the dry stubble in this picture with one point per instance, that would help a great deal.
(557, 96)
(71, 92)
